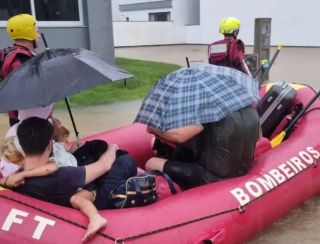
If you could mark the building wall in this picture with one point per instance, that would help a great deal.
(145, 33)
(77, 37)
(138, 15)
(294, 22)
(100, 29)
(96, 33)
(139, 31)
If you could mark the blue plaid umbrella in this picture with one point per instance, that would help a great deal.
(197, 95)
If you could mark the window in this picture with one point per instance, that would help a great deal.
(47, 12)
(57, 10)
(160, 16)
(9, 8)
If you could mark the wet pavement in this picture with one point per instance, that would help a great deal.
(91, 119)
(293, 64)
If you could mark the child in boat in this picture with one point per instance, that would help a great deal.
(82, 200)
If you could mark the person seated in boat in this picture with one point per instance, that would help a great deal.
(222, 149)
(7, 168)
(82, 199)
(36, 132)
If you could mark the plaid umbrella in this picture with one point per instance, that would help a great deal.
(196, 95)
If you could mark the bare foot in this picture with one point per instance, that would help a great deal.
(94, 226)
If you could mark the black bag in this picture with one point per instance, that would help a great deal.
(179, 153)
(139, 190)
(91, 151)
(274, 106)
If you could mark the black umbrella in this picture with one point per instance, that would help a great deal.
(56, 74)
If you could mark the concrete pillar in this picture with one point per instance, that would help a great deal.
(262, 38)
(100, 32)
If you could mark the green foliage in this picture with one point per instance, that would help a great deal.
(145, 73)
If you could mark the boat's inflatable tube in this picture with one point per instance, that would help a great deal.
(230, 211)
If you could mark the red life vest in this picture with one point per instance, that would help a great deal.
(9, 61)
(227, 52)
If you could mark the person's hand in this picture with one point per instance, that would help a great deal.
(15, 180)
(110, 155)
(111, 151)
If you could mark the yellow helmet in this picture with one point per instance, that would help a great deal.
(22, 26)
(229, 25)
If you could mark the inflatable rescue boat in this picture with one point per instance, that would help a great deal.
(229, 211)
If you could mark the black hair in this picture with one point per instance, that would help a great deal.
(34, 135)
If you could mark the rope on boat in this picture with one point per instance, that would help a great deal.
(240, 209)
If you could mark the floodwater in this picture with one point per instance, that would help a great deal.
(91, 119)
(300, 226)
(293, 64)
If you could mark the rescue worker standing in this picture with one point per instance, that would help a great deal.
(23, 31)
(229, 51)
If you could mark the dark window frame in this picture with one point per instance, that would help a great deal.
(51, 23)
(160, 16)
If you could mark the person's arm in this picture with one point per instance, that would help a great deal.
(103, 165)
(245, 67)
(17, 179)
(40, 171)
(179, 135)
(3, 181)
(241, 57)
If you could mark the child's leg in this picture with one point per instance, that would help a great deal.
(82, 200)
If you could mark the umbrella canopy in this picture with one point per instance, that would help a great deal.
(196, 95)
(53, 75)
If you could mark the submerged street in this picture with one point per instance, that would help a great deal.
(292, 65)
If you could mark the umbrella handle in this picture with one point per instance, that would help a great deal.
(72, 120)
(187, 60)
(78, 140)
(44, 41)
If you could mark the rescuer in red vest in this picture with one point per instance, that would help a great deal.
(23, 31)
(229, 51)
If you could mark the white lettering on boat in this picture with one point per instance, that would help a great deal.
(15, 215)
(43, 222)
(255, 188)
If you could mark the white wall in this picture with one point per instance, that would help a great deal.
(133, 15)
(142, 15)
(294, 22)
(134, 33)
(145, 33)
